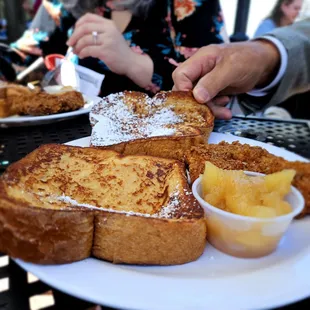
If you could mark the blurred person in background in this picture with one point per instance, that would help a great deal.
(283, 14)
(44, 23)
(136, 44)
(140, 42)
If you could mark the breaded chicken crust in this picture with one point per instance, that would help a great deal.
(237, 156)
(46, 104)
(20, 100)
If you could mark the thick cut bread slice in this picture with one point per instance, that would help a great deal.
(61, 203)
(173, 147)
(166, 125)
(238, 156)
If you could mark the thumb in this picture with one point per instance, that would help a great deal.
(210, 85)
(187, 73)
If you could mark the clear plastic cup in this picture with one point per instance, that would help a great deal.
(244, 236)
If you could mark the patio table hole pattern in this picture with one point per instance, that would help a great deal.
(16, 143)
(292, 136)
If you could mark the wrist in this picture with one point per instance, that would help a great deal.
(270, 59)
(139, 68)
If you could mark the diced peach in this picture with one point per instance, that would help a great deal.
(274, 200)
(236, 192)
(212, 178)
(280, 181)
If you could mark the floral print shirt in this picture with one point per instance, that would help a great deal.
(172, 31)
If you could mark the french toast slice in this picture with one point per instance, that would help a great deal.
(237, 156)
(166, 125)
(62, 204)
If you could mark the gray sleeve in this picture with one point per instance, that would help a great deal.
(296, 40)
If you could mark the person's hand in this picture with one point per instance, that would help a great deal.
(227, 69)
(111, 47)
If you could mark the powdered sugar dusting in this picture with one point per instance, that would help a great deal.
(115, 122)
(70, 201)
(74, 203)
(167, 211)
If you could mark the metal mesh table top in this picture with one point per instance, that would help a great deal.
(17, 142)
(292, 135)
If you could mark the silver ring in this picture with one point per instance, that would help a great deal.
(95, 37)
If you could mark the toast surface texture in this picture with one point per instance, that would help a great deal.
(20, 100)
(62, 203)
(166, 125)
(237, 156)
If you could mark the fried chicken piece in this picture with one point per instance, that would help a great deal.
(237, 156)
(12, 97)
(46, 104)
(16, 96)
(20, 100)
(4, 108)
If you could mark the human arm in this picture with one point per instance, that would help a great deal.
(227, 69)
(111, 48)
(239, 68)
(186, 29)
(296, 40)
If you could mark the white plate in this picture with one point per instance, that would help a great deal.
(18, 121)
(214, 281)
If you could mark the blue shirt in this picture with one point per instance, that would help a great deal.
(266, 26)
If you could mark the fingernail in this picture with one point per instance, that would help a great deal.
(201, 94)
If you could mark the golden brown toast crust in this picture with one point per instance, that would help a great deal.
(42, 235)
(193, 113)
(236, 156)
(138, 203)
(164, 126)
(139, 240)
(173, 148)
